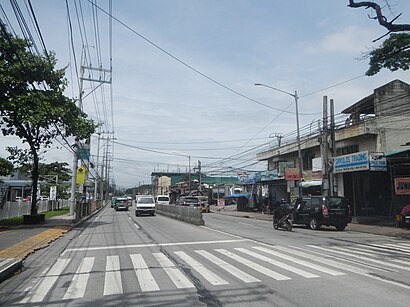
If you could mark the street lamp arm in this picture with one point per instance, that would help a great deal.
(277, 89)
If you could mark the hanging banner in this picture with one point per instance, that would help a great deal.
(53, 192)
(80, 175)
(357, 161)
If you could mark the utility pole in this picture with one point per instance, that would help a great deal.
(199, 173)
(325, 144)
(189, 174)
(97, 175)
(333, 176)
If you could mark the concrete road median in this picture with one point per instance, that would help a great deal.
(191, 215)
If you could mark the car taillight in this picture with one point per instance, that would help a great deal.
(325, 211)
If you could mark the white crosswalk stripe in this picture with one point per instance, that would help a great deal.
(253, 265)
(301, 262)
(44, 285)
(80, 279)
(202, 270)
(241, 275)
(305, 261)
(144, 276)
(112, 282)
(177, 277)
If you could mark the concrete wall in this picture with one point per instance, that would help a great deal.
(191, 215)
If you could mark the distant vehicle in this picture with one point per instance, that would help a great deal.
(190, 201)
(113, 200)
(144, 204)
(315, 211)
(162, 199)
(121, 203)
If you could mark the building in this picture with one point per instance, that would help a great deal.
(364, 136)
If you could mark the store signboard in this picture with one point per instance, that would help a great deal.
(377, 163)
(268, 175)
(402, 186)
(292, 173)
(358, 161)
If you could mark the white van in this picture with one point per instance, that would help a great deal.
(162, 199)
(144, 204)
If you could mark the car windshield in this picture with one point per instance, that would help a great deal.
(164, 198)
(191, 200)
(145, 200)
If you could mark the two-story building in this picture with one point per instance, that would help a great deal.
(368, 135)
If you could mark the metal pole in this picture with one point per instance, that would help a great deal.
(298, 141)
(189, 174)
(96, 173)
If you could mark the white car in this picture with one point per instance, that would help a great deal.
(144, 204)
(162, 199)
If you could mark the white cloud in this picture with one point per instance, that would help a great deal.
(351, 40)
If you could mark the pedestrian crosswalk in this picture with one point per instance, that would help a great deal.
(218, 267)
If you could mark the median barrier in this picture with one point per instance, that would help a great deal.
(191, 215)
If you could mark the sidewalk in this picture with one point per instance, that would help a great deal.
(374, 225)
(17, 242)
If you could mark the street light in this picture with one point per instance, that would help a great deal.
(300, 161)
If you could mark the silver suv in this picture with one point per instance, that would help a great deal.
(144, 204)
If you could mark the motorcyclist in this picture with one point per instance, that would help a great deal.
(281, 210)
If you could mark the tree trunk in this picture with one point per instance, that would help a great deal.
(34, 177)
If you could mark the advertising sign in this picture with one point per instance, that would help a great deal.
(357, 161)
(247, 179)
(268, 175)
(377, 163)
(292, 174)
(402, 186)
(80, 175)
(53, 192)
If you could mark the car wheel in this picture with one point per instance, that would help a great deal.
(313, 224)
(136, 213)
(340, 227)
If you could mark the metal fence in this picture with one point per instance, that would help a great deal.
(19, 208)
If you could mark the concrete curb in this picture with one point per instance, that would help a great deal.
(8, 266)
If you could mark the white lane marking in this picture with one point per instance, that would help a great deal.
(98, 248)
(384, 247)
(80, 279)
(383, 263)
(201, 269)
(278, 263)
(301, 262)
(112, 282)
(253, 265)
(245, 277)
(144, 276)
(136, 225)
(40, 290)
(179, 279)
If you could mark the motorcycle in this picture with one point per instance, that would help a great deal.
(284, 222)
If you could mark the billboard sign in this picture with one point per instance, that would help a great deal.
(358, 161)
(292, 174)
(377, 163)
(402, 186)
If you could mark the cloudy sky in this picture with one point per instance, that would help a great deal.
(183, 74)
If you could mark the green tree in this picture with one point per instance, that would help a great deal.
(394, 53)
(32, 104)
(6, 167)
(52, 174)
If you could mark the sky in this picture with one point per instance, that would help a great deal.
(184, 73)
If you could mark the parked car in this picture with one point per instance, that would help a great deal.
(190, 201)
(144, 204)
(121, 203)
(162, 199)
(315, 211)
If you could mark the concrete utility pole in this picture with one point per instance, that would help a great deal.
(199, 173)
(325, 144)
(333, 176)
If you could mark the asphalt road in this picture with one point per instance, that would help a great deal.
(117, 259)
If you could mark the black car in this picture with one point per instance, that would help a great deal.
(121, 203)
(189, 201)
(315, 211)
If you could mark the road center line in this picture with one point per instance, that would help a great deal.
(136, 225)
(97, 248)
